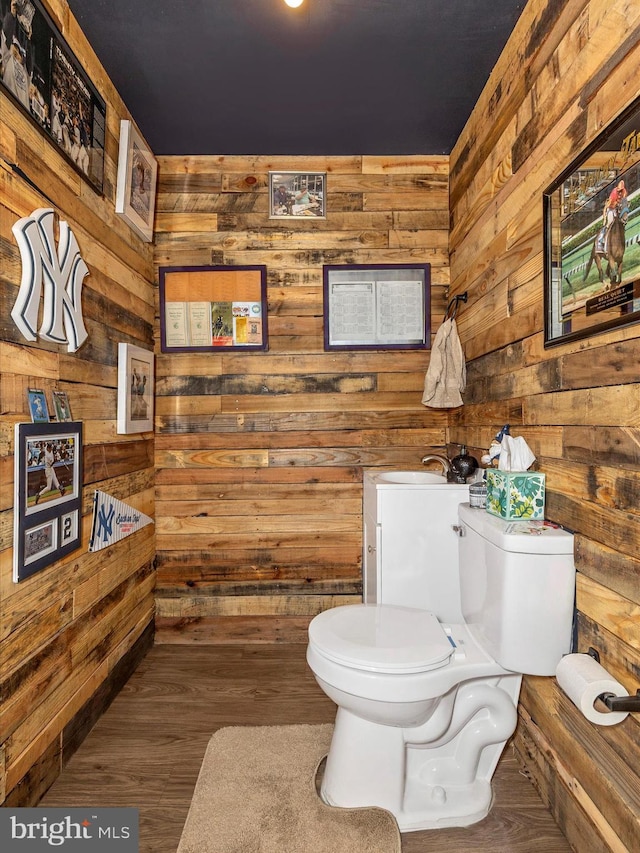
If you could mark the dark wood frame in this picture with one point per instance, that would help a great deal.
(54, 65)
(237, 288)
(376, 275)
(56, 520)
(576, 306)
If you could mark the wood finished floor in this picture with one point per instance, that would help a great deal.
(147, 749)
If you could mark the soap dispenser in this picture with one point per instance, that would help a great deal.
(462, 467)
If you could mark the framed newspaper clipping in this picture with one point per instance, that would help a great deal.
(382, 306)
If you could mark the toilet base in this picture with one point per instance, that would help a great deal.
(436, 807)
(454, 806)
(429, 777)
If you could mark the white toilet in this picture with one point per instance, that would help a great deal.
(425, 707)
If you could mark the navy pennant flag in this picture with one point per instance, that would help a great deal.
(113, 520)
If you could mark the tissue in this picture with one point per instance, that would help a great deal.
(515, 454)
(583, 679)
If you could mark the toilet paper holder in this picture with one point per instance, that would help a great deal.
(613, 702)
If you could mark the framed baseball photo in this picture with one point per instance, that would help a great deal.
(38, 406)
(136, 185)
(47, 81)
(135, 389)
(48, 495)
(61, 406)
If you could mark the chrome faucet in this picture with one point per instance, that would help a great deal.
(446, 467)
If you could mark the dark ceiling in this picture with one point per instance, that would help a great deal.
(385, 77)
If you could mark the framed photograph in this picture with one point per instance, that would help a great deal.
(48, 495)
(592, 237)
(384, 306)
(213, 308)
(136, 185)
(297, 195)
(38, 406)
(135, 389)
(44, 77)
(61, 406)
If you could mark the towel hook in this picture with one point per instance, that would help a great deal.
(455, 302)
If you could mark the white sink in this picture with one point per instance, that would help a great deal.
(411, 478)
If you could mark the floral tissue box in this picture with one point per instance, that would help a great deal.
(515, 495)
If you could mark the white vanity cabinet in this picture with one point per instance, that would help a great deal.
(405, 526)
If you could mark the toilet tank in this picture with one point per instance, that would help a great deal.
(517, 587)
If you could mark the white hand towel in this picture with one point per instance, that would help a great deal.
(447, 372)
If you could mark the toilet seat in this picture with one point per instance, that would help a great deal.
(382, 638)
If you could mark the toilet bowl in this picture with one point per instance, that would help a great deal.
(397, 697)
(425, 707)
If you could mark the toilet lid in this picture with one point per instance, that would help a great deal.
(381, 638)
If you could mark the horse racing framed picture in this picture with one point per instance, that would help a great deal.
(592, 237)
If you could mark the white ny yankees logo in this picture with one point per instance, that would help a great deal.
(58, 276)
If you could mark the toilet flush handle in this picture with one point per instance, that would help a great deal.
(459, 529)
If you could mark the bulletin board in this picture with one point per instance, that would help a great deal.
(213, 308)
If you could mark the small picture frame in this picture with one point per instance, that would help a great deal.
(297, 195)
(48, 495)
(38, 406)
(135, 389)
(137, 178)
(61, 406)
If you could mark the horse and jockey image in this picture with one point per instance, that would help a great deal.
(601, 242)
(610, 240)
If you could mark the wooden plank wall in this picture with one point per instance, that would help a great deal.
(70, 634)
(259, 456)
(568, 70)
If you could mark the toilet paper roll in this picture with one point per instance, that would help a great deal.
(583, 680)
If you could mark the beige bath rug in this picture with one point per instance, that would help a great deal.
(256, 794)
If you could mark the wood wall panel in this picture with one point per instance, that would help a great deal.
(256, 467)
(560, 80)
(70, 634)
(259, 456)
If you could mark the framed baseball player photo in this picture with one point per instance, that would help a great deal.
(137, 177)
(49, 84)
(135, 389)
(48, 495)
